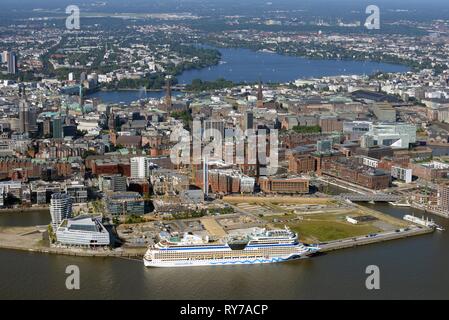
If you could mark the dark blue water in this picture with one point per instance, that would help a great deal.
(242, 65)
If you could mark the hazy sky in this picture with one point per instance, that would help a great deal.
(427, 9)
(227, 3)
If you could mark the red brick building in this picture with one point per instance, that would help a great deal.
(284, 185)
(24, 169)
(302, 163)
(353, 172)
(111, 167)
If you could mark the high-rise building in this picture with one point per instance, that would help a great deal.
(60, 208)
(24, 115)
(32, 121)
(248, 120)
(12, 63)
(57, 128)
(141, 167)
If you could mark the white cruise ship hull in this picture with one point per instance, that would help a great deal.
(260, 247)
(223, 262)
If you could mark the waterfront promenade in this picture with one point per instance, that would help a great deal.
(380, 237)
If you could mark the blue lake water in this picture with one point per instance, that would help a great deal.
(244, 65)
(240, 65)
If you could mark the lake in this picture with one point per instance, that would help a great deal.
(244, 65)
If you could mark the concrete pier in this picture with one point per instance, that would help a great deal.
(380, 237)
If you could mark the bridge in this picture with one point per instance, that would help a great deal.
(375, 197)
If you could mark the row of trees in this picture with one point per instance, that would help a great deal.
(200, 85)
(307, 129)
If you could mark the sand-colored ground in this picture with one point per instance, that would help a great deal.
(212, 227)
(21, 237)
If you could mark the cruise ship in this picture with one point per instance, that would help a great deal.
(259, 246)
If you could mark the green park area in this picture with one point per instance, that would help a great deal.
(323, 227)
(316, 219)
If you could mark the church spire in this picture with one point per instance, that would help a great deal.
(259, 103)
(168, 99)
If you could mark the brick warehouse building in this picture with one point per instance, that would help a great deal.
(302, 163)
(284, 185)
(354, 172)
(24, 169)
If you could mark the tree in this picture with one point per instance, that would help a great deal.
(51, 234)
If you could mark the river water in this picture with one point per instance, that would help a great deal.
(409, 269)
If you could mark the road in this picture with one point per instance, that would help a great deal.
(379, 237)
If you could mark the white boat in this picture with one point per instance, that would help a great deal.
(261, 246)
(423, 222)
(400, 204)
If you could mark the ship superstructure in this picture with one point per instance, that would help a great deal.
(260, 246)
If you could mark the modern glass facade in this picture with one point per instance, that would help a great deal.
(125, 203)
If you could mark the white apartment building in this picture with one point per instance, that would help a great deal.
(60, 208)
(141, 167)
(403, 174)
